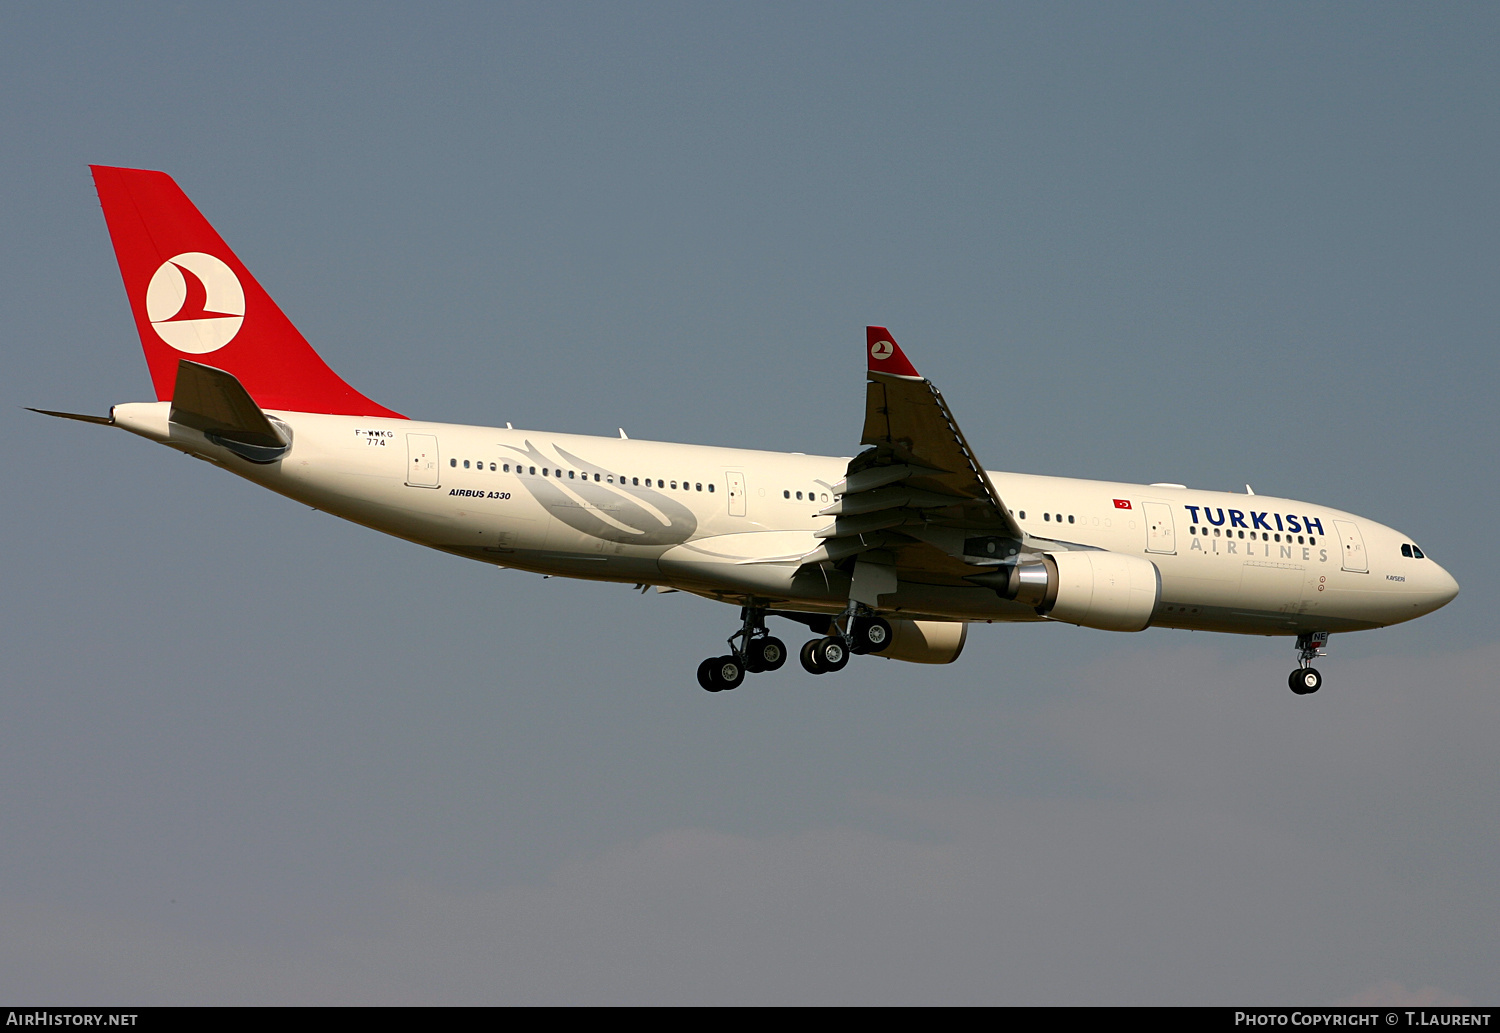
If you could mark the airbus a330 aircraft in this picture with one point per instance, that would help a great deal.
(894, 552)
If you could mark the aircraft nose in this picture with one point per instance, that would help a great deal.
(1442, 587)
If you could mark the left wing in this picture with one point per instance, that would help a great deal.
(916, 499)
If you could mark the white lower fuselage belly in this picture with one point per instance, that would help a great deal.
(726, 523)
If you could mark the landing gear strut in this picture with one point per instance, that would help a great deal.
(752, 650)
(1305, 679)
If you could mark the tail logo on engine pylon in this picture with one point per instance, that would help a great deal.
(195, 303)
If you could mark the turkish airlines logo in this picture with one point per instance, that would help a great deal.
(195, 303)
(881, 350)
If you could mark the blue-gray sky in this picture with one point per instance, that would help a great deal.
(253, 754)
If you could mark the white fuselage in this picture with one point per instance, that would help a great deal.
(713, 520)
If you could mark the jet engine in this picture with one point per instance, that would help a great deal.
(925, 642)
(1093, 589)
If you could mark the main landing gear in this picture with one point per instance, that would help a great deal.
(753, 649)
(865, 633)
(1306, 680)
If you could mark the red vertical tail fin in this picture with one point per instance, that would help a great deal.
(193, 299)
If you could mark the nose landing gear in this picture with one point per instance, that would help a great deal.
(1305, 680)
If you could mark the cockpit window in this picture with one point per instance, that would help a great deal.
(1417, 553)
(1405, 549)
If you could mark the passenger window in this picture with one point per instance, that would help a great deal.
(492, 468)
(453, 462)
(573, 475)
(1216, 532)
(1023, 514)
(786, 494)
(636, 481)
(710, 487)
(1047, 516)
(466, 464)
(507, 468)
(674, 485)
(799, 496)
(533, 471)
(698, 487)
(1070, 518)
(823, 497)
(596, 478)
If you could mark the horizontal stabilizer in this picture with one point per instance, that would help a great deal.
(214, 402)
(82, 418)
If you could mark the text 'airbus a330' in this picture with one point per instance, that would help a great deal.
(894, 552)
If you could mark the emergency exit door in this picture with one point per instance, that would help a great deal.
(1352, 546)
(736, 481)
(1161, 534)
(422, 460)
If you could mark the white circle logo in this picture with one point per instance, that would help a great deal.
(881, 350)
(195, 303)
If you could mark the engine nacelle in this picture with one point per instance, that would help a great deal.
(925, 642)
(1106, 590)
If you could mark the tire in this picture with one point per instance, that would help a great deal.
(1304, 681)
(809, 657)
(871, 634)
(831, 653)
(728, 672)
(706, 674)
(769, 653)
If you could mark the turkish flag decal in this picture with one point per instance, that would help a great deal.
(1122, 503)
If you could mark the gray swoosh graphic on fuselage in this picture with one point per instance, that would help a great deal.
(621, 502)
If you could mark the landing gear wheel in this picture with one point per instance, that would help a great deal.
(728, 672)
(1305, 681)
(768, 654)
(831, 653)
(870, 634)
(809, 657)
(706, 674)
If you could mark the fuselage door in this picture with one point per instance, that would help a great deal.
(1353, 546)
(422, 460)
(1161, 535)
(736, 492)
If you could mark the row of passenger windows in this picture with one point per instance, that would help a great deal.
(812, 496)
(1407, 549)
(1048, 516)
(574, 475)
(1263, 535)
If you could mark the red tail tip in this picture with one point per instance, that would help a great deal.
(885, 354)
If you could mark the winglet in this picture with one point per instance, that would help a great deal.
(885, 354)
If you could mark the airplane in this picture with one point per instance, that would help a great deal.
(892, 553)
